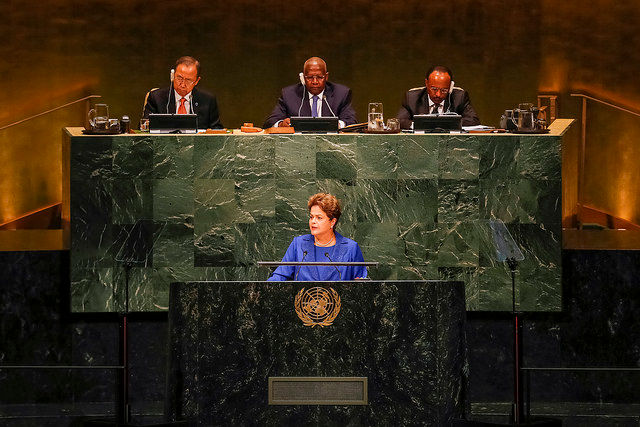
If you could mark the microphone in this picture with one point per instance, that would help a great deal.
(171, 77)
(324, 98)
(449, 97)
(304, 89)
(304, 255)
(337, 269)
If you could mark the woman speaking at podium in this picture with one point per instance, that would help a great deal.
(324, 244)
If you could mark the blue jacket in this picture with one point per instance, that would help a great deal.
(345, 250)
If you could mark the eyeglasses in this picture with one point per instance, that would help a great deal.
(312, 78)
(182, 80)
(442, 90)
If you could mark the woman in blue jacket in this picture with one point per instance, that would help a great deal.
(324, 244)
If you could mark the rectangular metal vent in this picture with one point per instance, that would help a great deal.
(318, 391)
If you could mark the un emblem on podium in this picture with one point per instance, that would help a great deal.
(317, 306)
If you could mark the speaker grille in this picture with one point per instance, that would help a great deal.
(318, 391)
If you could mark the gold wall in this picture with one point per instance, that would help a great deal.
(502, 52)
(593, 48)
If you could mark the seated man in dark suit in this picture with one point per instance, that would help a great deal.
(438, 96)
(190, 99)
(317, 97)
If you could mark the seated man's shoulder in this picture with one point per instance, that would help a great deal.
(338, 88)
(292, 89)
(158, 92)
(459, 94)
(203, 93)
(416, 91)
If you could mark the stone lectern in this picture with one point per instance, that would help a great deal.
(264, 353)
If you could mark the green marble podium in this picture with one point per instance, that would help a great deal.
(208, 207)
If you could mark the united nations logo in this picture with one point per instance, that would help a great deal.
(317, 306)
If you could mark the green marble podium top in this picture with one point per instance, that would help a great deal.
(179, 208)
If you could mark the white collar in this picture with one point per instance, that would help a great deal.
(431, 103)
(187, 97)
(320, 95)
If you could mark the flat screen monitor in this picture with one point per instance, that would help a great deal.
(315, 124)
(437, 123)
(173, 123)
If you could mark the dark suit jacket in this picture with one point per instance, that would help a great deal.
(416, 101)
(338, 96)
(204, 105)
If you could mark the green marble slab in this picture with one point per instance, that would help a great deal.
(208, 207)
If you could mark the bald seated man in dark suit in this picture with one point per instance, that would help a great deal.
(317, 97)
(438, 96)
(184, 98)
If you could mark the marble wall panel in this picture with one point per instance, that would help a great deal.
(173, 157)
(417, 204)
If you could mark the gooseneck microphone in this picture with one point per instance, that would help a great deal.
(337, 269)
(304, 255)
(171, 77)
(449, 97)
(324, 98)
(304, 90)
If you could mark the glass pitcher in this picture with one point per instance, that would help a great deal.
(376, 120)
(99, 117)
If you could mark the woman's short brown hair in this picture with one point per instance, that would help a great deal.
(328, 203)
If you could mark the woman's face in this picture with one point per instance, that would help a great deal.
(319, 222)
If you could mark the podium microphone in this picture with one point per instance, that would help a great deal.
(304, 89)
(304, 255)
(324, 98)
(337, 269)
(171, 77)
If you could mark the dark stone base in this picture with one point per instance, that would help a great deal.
(599, 327)
(533, 422)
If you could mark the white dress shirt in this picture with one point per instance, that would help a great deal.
(187, 102)
(440, 107)
(320, 101)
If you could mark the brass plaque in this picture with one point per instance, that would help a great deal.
(318, 391)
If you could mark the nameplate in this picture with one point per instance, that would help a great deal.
(318, 391)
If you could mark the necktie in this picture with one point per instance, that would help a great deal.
(314, 107)
(436, 107)
(182, 109)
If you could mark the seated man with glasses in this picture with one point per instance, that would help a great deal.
(183, 97)
(314, 96)
(437, 97)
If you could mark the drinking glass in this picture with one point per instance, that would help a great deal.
(376, 118)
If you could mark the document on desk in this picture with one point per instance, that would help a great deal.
(477, 127)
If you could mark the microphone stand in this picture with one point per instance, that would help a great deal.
(134, 251)
(123, 406)
(507, 250)
(517, 409)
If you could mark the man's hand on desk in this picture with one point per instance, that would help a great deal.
(285, 123)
